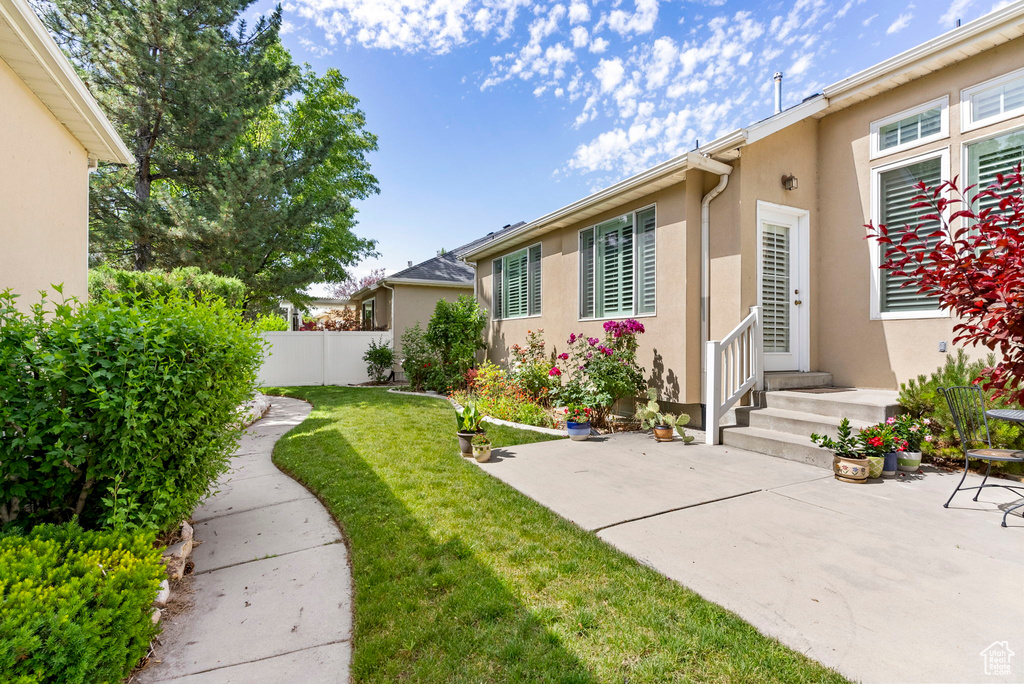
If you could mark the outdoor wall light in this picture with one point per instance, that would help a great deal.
(790, 182)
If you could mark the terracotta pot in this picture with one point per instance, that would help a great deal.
(482, 454)
(909, 461)
(852, 469)
(663, 433)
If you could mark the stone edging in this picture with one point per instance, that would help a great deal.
(487, 419)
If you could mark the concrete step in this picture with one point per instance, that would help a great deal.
(872, 406)
(783, 381)
(793, 422)
(779, 444)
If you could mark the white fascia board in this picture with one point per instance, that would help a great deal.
(427, 283)
(34, 36)
(980, 28)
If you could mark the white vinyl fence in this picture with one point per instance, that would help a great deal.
(318, 357)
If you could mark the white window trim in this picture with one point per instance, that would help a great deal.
(876, 126)
(579, 267)
(527, 249)
(876, 274)
(967, 122)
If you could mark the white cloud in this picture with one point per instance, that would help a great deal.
(956, 10)
(598, 46)
(901, 23)
(800, 66)
(609, 73)
(579, 12)
(580, 37)
(867, 22)
(641, 21)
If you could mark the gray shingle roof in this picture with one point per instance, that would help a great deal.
(447, 267)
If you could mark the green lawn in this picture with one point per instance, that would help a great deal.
(460, 578)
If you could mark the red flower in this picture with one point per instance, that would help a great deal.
(554, 372)
(876, 441)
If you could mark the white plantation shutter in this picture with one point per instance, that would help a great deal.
(497, 303)
(987, 159)
(615, 263)
(587, 274)
(534, 279)
(645, 272)
(775, 270)
(897, 191)
(516, 285)
(998, 100)
(912, 128)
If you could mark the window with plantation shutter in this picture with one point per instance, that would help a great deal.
(989, 158)
(517, 284)
(588, 277)
(645, 262)
(996, 100)
(617, 267)
(535, 280)
(916, 126)
(497, 278)
(896, 192)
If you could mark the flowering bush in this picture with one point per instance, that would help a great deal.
(495, 393)
(911, 431)
(975, 270)
(578, 414)
(881, 439)
(530, 366)
(600, 372)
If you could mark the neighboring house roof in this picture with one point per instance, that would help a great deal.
(444, 270)
(33, 55)
(995, 28)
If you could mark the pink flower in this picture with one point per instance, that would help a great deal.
(554, 372)
(563, 356)
(914, 428)
(927, 421)
(592, 341)
(572, 338)
(890, 421)
(928, 438)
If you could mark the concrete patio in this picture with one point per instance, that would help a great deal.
(878, 581)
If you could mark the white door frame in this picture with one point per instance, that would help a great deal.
(800, 332)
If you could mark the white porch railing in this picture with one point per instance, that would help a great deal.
(735, 365)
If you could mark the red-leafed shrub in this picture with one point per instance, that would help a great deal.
(975, 270)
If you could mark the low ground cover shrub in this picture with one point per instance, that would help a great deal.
(75, 605)
(122, 412)
(921, 399)
(105, 281)
(496, 394)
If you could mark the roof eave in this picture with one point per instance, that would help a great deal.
(34, 36)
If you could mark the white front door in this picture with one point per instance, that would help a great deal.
(782, 286)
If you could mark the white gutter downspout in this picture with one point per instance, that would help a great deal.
(705, 258)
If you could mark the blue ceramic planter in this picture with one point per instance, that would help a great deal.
(578, 431)
(890, 463)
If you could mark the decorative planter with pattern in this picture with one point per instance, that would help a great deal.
(578, 432)
(482, 454)
(875, 466)
(853, 469)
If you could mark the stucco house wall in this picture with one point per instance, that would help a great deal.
(416, 303)
(44, 197)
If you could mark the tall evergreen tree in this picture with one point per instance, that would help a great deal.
(180, 78)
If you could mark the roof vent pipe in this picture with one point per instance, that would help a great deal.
(778, 92)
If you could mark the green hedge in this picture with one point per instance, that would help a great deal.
(105, 281)
(75, 606)
(122, 412)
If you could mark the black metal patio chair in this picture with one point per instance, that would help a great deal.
(967, 404)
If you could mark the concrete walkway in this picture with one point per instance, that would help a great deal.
(273, 590)
(877, 581)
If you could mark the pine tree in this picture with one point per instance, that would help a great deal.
(180, 80)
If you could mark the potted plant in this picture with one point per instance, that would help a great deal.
(913, 432)
(468, 420)
(875, 440)
(881, 441)
(681, 420)
(651, 418)
(577, 422)
(848, 461)
(481, 448)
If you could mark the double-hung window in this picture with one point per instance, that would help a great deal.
(515, 283)
(910, 128)
(617, 267)
(988, 158)
(993, 101)
(369, 307)
(894, 188)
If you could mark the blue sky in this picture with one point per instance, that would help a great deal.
(495, 111)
